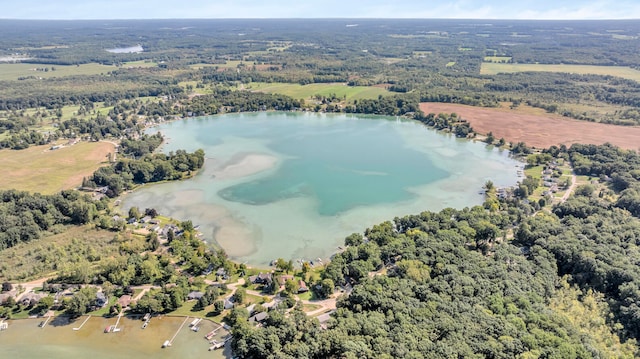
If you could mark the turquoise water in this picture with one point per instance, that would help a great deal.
(293, 185)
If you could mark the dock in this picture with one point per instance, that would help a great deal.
(81, 325)
(115, 327)
(218, 345)
(4, 325)
(212, 333)
(167, 343)
(44, 322)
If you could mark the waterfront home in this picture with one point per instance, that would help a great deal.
(259, 318)
(32, 298)
(302, 286)
(262, 278)
(194, 295)
(125, 300)
(101, 299)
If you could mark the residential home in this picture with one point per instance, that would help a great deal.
(101, 299)
(194, 295)
(228, 304)
(283, 279)
(6, 295)
(32, 298)
(259, 318)
(262, 278)
(302, 286)
(125, 300)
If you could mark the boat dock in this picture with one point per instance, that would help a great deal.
(4, 325)
(218, 345)
(212, 333)
(44, 322)
(80, 327)
(115, 327)
(167, 343)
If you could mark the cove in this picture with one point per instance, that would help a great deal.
(293, 185)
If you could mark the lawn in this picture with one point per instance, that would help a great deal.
(325, 89)
(489, 68)
(39, 169)
(17, 70)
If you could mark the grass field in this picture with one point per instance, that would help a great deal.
(14, 71)
(37, 169)
(37, 259)
(308, 91)
(488, 68)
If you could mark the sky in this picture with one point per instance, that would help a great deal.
(466, 9)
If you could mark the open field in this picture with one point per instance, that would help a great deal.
(490, 68)
(324, 89)
(538, 130)
(15, 71)
(38, 169)
(41, 258)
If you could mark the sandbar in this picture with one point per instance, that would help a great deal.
(245, 165)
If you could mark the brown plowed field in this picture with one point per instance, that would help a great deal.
(538, 130)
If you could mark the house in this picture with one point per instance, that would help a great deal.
(283, 279)
(302, 286)
(6, 295)
(228, 304)
(259, 318)
(222, 273)
(194, 295)
(31, 298)
(101, 299)
(261, 278)
(125, 300)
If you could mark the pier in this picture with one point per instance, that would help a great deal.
(212, 333)
(81, 325)
(4, 325)
(115, 327)
(167, 343)
(44, 323)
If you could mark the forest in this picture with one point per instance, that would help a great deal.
(453, 280)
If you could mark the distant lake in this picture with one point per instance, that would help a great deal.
(127, 50)
(293, 185)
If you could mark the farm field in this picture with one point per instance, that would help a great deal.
(10, 72)
(324, 89)
(38, 169)
(538, 130)
(491, 68)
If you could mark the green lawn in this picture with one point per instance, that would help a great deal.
(14, 71)
(489, 68)
(307, 91)
(38, 169)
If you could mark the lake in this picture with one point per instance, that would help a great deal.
(293, 185)
(57, 340)
(127, 50)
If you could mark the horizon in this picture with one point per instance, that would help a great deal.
(331, 9)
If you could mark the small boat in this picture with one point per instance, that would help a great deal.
(145, 325)
(166, 344)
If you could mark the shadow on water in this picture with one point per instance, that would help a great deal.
(62, 320)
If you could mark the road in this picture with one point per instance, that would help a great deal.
(574, 184)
